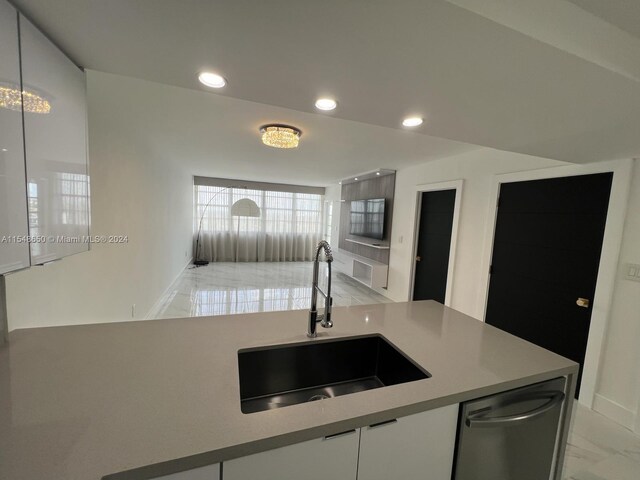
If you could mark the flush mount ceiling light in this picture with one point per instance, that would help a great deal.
(326, 104)
(12, 99)
(412, 121)
(212, 80)
(280, 136)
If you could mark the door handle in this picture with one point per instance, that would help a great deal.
(480, 419)
(418, 258)
(341, 434)
(382, 424)
(583, 302)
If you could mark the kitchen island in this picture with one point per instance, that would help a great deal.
(138, 400)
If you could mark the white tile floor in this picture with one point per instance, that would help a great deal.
(598, 448)
(225, 288)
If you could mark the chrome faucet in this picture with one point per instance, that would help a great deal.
(325, 317)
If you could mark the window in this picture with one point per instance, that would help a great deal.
(288, 228)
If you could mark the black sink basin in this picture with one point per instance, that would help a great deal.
(283, 375)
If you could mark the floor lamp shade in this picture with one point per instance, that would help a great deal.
(245, 207)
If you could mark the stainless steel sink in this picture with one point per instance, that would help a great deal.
(283, 375)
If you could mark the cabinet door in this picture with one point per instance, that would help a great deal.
(333, 457)
(210, 472)
(13, 196)
(416, 447)
(55, 148)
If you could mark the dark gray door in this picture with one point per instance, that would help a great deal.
(545, 260)
(434, 242)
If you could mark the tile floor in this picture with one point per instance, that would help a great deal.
(598, 448)
(225, 288)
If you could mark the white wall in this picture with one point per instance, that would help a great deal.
(618, 390)
(136, 191)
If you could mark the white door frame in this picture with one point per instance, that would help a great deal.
(608, 267)
(436, 187)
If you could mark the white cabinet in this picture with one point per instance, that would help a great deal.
(334, 457)
(365, 270)
(209, 472)
(55, 147)
(14, 254)
(416, 447)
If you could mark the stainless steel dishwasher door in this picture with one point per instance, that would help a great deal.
(510, 436)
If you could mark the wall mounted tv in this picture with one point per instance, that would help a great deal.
(367, 218)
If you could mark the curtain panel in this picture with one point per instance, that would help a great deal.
(288, 229)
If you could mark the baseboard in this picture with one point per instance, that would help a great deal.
(614, 411)
(153, 311)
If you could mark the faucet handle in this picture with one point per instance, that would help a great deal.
(326, 318)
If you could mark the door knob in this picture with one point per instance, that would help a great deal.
(418, 258)
(583, 302)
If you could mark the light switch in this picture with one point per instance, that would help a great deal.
(632, 272)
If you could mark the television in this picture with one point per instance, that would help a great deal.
(367, 218)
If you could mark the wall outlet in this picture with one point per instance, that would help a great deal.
(632, 272)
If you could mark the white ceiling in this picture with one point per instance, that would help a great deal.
(215, 135)
(624, 14)
(474, 79)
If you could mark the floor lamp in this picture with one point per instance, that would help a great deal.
(244, 207)
(197, 262)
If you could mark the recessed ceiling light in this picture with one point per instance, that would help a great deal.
(326, 104)
(5, 150)
(377, 173)
(339, 183)
(212, 80)
(356, 178)
(412, 121)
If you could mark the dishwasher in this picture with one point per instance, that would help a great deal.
(512, 435)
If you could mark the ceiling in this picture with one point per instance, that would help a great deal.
(474, 79)
(215, 135)
(624, 14)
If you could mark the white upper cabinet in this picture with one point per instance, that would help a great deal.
(14, 252)
(55, 148)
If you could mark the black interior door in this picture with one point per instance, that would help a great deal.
(434, 241)
(545, 260)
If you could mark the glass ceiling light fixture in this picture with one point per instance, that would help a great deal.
(280, 136)
(326, 104)
(212, 80)
(12, 99)
(412, 121)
